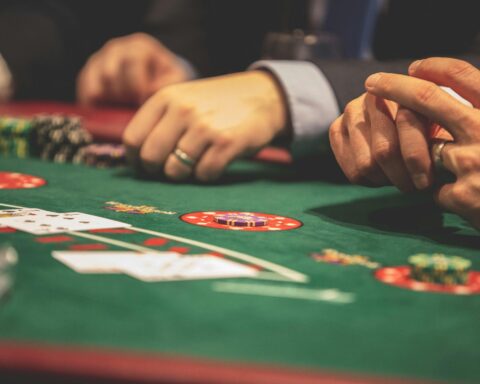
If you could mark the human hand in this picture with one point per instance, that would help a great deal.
(376, 142)
(421, 93)
(128, 70)
(212, 121)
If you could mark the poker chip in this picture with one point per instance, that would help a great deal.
(242, 221)
(101, 155)
(12, 180)
(15, 136)
(439, 268)
(400, 276)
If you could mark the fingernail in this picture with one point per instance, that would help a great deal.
(372, 80)
(414, 66)
(421, 181)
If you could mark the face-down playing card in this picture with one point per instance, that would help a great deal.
(40, 222)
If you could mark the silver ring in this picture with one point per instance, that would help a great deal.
(184, 158)
(436, 152)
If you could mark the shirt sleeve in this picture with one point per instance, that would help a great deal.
(311, 102)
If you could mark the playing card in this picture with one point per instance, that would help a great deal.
(155, 266)
(39, 222)
(102, 261)
(187, 267)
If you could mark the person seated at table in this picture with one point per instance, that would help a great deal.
(196, 129)
(119, 52)
(382, 138)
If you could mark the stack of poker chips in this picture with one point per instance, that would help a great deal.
(58, 137)
(16, 137)
(101, 155)
(439, 269)
(240, 220)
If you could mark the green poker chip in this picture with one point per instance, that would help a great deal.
(438, 268)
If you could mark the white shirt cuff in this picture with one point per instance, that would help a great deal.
(311, 101)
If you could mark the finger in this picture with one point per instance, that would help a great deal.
(217, 157)
(459, 75)
(459, 197)
(137, 79)
(359, 137)
(412, 133)
(194, 143)
(340, 144)
(461, 160)
(111, 71)
(429, 100)
(162, 140)
(385, 144)
(444, 197)
(89, 85)
(144, 121)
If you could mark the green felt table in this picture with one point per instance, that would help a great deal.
(111, 326)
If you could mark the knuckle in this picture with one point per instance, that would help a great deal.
(350, 109)
(416, 160)
(406, 117)
(384, 151)
(203, 129)
(335, 131)
(224, 140)
(185, 111)
(425, 93)
(467, 162)
(365, 166)
(458, 69)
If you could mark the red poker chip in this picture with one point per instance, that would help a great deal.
(400, 277)
(13, 180)
(274, 222)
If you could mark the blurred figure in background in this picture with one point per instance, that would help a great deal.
(121, 51)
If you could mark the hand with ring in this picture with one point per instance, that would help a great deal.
(197, 128)
(420, 92)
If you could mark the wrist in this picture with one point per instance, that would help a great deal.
(274, 102)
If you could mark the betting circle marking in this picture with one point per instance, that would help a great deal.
(274, 222)
(13, 180)
(400, 277)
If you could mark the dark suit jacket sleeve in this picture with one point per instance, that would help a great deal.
(347, 78)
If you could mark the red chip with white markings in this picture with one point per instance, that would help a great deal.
(13, 180)
(274, 222)
(400, 277)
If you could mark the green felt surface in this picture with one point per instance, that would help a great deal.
(386, 330)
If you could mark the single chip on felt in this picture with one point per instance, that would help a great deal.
(53, 239)
(240, 220)
(88, 247)
(14, 180)
(155, 241)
